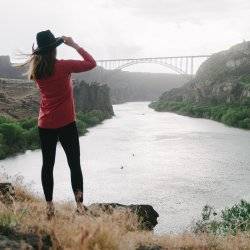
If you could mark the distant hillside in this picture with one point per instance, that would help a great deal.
(224, 77)
(220, 90)
(128, 86)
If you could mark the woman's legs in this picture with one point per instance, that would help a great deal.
(48, 140)
(69, 139)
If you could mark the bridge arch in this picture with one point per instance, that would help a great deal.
(164, 64)
(179, 64)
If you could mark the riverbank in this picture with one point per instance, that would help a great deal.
(235, 115)
(220, 90)
(17, 136)
(23, 224)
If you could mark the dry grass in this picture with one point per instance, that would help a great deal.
(107, 232)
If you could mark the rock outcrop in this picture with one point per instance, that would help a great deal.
(146, 213)
(20, 98)
(7, 193)
(7, 70)
(128, 86)
(15, 240)
(92, 96)
(223, 78)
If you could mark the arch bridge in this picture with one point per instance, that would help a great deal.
(179, 64)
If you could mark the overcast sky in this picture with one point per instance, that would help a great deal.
(127, 28)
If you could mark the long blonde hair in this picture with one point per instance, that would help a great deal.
(40, 65)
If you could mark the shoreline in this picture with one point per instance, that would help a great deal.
(18, 136)
(231, 115)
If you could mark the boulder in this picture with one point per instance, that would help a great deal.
(153, 247)
(7, 243)
(7, 193)
(19, 240)
(146, 213)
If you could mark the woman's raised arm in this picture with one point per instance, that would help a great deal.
(76, 66)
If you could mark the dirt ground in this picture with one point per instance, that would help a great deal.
(18, 98)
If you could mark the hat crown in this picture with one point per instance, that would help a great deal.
(45, 38)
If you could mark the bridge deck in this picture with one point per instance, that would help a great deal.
(151, 58)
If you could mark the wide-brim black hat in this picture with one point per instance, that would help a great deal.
(46, 41)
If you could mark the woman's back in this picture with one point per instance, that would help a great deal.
(57, 102)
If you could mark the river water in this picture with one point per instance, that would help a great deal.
(175, 163)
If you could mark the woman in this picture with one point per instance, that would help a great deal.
(57, 116)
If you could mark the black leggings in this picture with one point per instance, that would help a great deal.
(68, 137)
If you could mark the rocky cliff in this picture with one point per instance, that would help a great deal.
(223, 78)
(20, 98)
(93, 96)
(7, 70)
(128, 86)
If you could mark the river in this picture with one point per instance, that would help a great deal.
(175, 163)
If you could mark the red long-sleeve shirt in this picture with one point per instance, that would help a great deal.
(57, 107)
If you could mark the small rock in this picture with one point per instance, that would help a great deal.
(7, 193)
(155, 247)
(6, 243)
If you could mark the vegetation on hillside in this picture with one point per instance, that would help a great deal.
(24, 225)
(230, 221)
(220, 89)
(19, 135)
(236, 115)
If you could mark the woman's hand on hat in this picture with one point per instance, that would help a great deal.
(70, 42)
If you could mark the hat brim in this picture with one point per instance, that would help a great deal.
(58, 41)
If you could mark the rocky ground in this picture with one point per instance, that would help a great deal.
(23, 225)
(20, 98)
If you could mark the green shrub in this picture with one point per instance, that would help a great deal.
(13, 137)
(7, 222)
(245, 79)
(217, 112)
(245, 123)
(99, 114)
(91, 118)
(237, 115)
(17, 136)
(234, 115)
(32, 138)
(81, 127)
(4, 119)
(230, 221)
(28, 123)
(3, 147)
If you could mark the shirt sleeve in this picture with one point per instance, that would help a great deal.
(77, 66)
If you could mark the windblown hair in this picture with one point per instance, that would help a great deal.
(40, 65)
